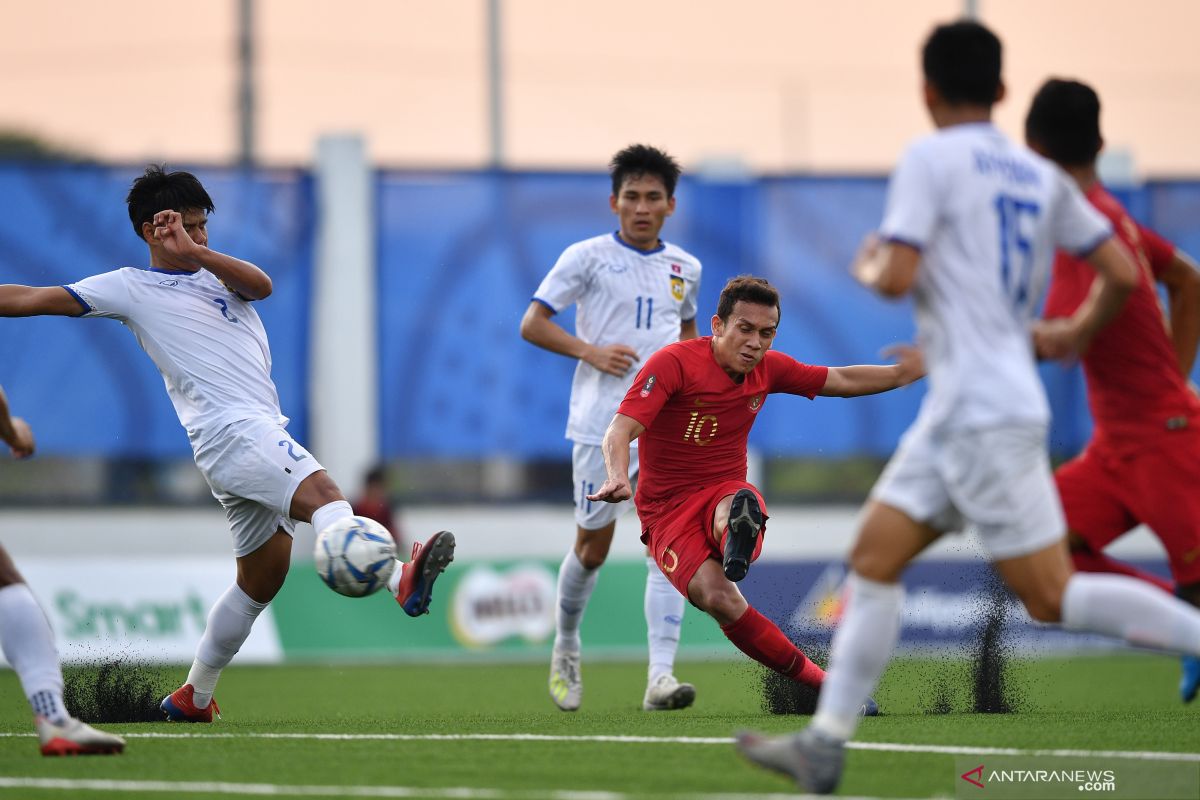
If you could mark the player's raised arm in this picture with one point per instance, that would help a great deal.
(864, 379)
(183, 250)
(620, 434)
(1181, 276)
(889, 268)
(34, 301)
(538, 328)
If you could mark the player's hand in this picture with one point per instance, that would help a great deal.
(169, 230)
(21, 442)
(910, 362)
(615, 359)
(613, 490)
(1056, 339)
(866, 267)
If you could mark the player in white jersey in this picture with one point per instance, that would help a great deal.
(971, 226)
(28, 641)
(634, 293)
(192, 312)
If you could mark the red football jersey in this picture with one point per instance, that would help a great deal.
(697, 418)
(1135, 387)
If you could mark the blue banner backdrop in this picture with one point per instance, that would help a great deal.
(459, 255)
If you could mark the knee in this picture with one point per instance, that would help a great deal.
(723, 603)
(591, 555)
(263, 584)
(870, 564)
(1044, 606)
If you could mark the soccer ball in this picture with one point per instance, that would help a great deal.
(355, 556)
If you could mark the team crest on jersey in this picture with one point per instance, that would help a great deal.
(756, 403)
(677, 287)
(648, 386)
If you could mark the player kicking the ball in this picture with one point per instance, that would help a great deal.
(691, 407)
(192, 313)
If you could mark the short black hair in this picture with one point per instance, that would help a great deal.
(748, 289)
(962, 61)
(1064, 122)
(640, 159)
(158, 190)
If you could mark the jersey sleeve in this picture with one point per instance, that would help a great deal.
(790, 376)
(565, 283)
(658, 379)
(691, 300)
(1076, 225)
(104, 295)
(1160, 251)
(913, 205)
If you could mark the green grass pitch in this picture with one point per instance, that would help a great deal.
(1125, 703)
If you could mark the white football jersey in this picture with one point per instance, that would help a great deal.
(987, 216)
(208, 343)
(623, 296)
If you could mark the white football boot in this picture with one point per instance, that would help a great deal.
(566, 685)
(75, 738)
(667, 693)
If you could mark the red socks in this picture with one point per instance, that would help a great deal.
(1091, 561)
(759, 638)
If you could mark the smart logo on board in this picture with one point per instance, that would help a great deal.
(491, 605)
(85, 618)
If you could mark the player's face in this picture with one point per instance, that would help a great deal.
(195, 223)
(642, 207)
(742, 341)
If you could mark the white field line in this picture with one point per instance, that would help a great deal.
(286, 790)
(894, 747)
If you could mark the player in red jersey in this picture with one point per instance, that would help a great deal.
(1143, 463)
(692, 405)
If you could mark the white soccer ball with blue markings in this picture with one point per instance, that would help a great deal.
(355, 556)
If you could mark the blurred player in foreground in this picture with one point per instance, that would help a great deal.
(28, 642)
(634, 293)
(1143, 462)
(970, 226)
(192, 312)
(692, 405)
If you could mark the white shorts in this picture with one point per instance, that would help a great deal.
(998, 479)
(588, 473)
(253, 468)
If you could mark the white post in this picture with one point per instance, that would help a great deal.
(343, 380)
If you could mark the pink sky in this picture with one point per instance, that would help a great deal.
(780, 85)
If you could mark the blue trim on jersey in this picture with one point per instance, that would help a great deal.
(80, 300)
(623, 243)
(553, 310)
(1093, 247)
(906, 242)
(171, 271)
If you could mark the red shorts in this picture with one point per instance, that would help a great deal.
(680, 535)
(1105, 494)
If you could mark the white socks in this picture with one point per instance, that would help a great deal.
(330, 513)
(664, 615)
(229, 624)
(861, 649)
(575, 585)
(28, 644)
(1141, 614)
